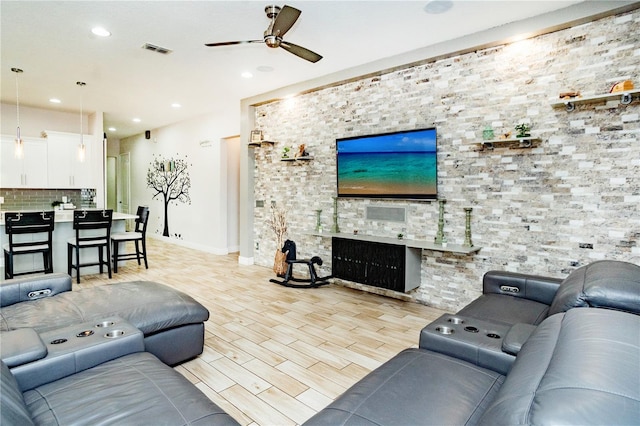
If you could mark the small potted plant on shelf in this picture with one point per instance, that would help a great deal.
(524, 130)
(57, 205)
(285, 152)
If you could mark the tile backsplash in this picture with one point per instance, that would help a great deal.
(41, 199)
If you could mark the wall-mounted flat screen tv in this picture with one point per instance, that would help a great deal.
(390, 165)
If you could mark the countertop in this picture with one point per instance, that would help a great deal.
(67, 216)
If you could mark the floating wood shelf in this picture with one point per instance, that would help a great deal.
(524, 142)
(261, 143)
(307, 158)
(418, 244)
(625, 98)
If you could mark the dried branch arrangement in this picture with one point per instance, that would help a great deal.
(278, 223)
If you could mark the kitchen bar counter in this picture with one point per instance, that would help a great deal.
(63, 231)
(67, 216)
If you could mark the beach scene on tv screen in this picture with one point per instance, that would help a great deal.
(390, 165)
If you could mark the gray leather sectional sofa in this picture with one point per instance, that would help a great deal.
(531, 350)
(172, 322)
(100, 355)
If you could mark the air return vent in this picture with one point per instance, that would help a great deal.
(392, 214)
(154, 48)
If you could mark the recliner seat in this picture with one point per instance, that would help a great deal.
(579, 367)
(135, 389)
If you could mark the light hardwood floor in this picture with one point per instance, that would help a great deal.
(275, 355)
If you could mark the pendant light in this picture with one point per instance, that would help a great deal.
(19, 144)
(81, 148)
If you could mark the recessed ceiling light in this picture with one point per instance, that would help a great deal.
(112, 129)
(436, 7)
(55, 100)
(246, 74)
(176, 105)
(100, 32)
(136, 120)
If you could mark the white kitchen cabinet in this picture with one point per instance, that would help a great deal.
(65, 168)
(28, 172)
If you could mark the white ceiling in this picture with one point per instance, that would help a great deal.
(51, 41)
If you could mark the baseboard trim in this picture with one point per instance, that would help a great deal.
(194, 246)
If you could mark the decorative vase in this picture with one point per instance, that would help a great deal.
(487, 133)
(467, 228)
(318, 223)
(335, 228)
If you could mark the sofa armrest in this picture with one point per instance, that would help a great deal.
(533, 287)
(79, 347)
(21, 346)
(32, 288)
(516, 336)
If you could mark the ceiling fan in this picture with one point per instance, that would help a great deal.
(282, 19)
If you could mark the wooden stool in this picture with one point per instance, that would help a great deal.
(23, 223)
(93, 230)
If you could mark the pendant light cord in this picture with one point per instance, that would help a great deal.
(17, 102)
(81, 84)
(17, 71)
(81, 147)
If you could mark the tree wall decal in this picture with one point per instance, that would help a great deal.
(169, 177)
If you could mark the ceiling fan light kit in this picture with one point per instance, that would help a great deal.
(282, 19)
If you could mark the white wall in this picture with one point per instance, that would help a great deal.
(34, 120)
(202, 142)
(233, 193)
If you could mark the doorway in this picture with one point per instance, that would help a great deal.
(112, 189)
(123, 183)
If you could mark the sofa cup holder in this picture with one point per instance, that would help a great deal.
(114, 334)
(451, 324)
(105, 324)
(85, 333)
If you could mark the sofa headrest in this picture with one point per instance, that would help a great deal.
(605, 284)
(33, 287)
(578, 368)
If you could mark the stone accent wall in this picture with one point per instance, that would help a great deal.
(570, 199)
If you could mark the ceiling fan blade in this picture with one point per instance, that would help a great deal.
(300, 51)
(285, 20)
(229, 43)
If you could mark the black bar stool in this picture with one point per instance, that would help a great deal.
(93, 230)
(20, 223)
(138, 236)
